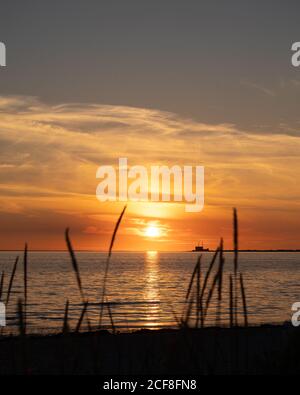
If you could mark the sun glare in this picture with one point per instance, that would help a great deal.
(152, 231)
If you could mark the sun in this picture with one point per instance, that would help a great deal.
(152, 231)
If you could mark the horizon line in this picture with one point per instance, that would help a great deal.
(164, 251)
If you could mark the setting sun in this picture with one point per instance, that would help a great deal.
(152, 231)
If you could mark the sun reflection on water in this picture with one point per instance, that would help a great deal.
(152, 292)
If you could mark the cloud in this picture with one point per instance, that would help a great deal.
(259, 88)
(53, 151)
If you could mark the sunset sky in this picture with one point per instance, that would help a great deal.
(172, 82)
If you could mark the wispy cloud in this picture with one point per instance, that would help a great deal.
(56, 149)
(50, 153)
(260, 88)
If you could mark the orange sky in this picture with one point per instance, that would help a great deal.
(50, 155)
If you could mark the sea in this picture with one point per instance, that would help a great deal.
(145, 290)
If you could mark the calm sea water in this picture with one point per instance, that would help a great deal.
(144, 289)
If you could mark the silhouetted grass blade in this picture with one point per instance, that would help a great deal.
(230, 301)
(111, 318)
(2, 285)
(107, 262)
(199, 303)
(191, 281)
(115, 231)
(74, 262)
(244, 300)
(209, 272)
(66, 327)
(21, 318)
(220, 283)
(236, 251)
(235, 239)
(84, 309)
(11, 280)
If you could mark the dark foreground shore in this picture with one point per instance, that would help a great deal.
(254, 350)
